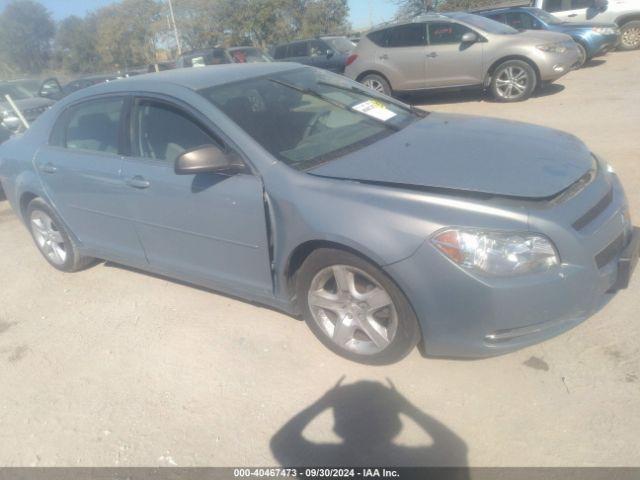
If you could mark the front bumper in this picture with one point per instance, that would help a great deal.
(463, 314)
(601, 44)
(552, 66)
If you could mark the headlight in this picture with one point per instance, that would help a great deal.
(497, 253)
(552, 48)
(604, 30)
(610, 169)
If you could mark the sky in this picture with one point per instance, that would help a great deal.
(363, 12)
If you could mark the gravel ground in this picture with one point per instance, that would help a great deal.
(115, 367)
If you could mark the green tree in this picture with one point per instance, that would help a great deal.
(324, 17)
(411, 8)
(199, 23)
(26, 31)
(75, 45)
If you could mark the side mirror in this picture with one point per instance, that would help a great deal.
(469, 37)
(51, 89)
(330, 53)
(207, 159)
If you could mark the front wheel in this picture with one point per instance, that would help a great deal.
(630, 35)
(582, 52)
(355, 309)
(513, 81)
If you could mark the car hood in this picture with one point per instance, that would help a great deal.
(469, 154)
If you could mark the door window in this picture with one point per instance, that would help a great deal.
(498, 17)
(443, 33)
(578, 4)
(317, 48)
(521, 21)
(557, 5)
(94, 125)
(162, 132)
(410, 35)
(298, 49)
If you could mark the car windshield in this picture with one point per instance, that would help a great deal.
(546, 17)
(305, 117)
(341, 44)
(249, 55)
(17, 91)
(486, 24)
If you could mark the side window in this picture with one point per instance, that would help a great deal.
(298, 49)
(162, 132)
(410, 35)
(280, 52)
(497, 17)
(577, 4)
(317, 48)
(380, 37)
(94, 125)
(520, 21)
(557, 5)
(443, 33)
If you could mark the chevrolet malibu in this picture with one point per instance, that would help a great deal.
(384, 226)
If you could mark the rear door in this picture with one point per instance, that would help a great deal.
(207, 228)
(321, 55)
(450, 62)
(81, 172)
(402, 57)
(571, 10)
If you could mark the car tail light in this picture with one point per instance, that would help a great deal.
(351, 59)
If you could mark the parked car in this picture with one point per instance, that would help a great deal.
(624, 13)
(32, 97)
(328, 53)
(592, 38)
(221, 56)
(286, 185)
(88, 81)
(457, 50)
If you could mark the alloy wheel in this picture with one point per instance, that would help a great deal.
(48, 237)
(631, 37)
(374, 84)
(353, 309)
(512, 82)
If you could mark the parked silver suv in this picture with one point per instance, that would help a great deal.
(457, 50)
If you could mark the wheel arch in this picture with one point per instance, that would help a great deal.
(626, 18)
(501, 60)
(373, 72)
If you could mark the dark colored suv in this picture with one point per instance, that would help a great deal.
(328, 53)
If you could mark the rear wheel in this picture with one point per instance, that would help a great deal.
(583, 55)
(630, 35)
(513, 81)
(377, 83)
(355, 309)
(53, 241)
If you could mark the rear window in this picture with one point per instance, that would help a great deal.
(380, 38)
(410, 35)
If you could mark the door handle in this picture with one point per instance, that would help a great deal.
(432, 55)
(49, 168)
(573, 15)
(138, 182)
(384, 57)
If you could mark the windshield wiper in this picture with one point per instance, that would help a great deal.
(335, 103)
(409, 108)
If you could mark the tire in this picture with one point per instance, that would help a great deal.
(52, 239)
(509, 74)
(584, 58)
(378, 83)
(630, 35)
(377, 333)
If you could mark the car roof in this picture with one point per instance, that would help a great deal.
(195, 78)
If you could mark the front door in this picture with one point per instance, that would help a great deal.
(207, 228)
(451, 63)
(81, 173)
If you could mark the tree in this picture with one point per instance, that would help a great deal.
(199, 23)
(128, 33)
(75, 44)
(323, 17)
(26, 31)
(411, 8)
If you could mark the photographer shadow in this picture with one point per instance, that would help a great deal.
(367, 419)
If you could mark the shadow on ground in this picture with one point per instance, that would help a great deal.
(367, 418)
(462, 96)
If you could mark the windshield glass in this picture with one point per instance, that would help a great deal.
(486, 24)
(305, 117)
(17, 92)
(249, 55)
(341, 44)
(546, 17)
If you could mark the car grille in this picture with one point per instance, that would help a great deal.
(594, 212)
(611, 251)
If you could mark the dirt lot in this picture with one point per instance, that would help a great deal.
(113, 367)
